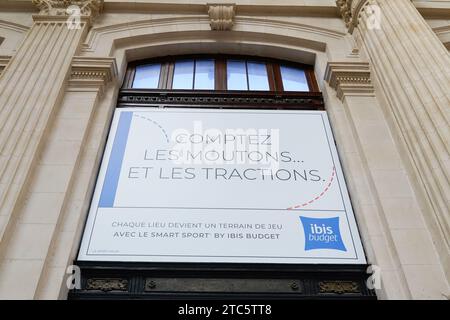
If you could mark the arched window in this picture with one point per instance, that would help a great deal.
(221, 73)
(230, 81)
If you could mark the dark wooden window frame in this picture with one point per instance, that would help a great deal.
(220, 81)
(275, 98)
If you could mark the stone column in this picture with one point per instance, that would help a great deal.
(413, 68)
(31, 88)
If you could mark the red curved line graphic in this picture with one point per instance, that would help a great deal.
(333, 174)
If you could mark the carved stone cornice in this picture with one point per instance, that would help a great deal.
(221, 16)
(85, 8)
(350, 10)
(349, 78)
(91, 72)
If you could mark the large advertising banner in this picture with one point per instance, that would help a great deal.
(237, 186)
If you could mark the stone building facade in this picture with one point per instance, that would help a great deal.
(383, 67)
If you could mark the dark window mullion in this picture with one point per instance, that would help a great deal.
(270, 76)
(219, 74)
(246, 74)
(162, 76)
(193, 76)
(311, 80)
(170, 71)
(277, 77)
(224, 74)
(129, 77)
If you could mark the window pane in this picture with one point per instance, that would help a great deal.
(147, 76)
(257, 76)
(236, 75)
(183, 75)
(204, 74)
(294, 79)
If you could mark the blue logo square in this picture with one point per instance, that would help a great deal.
(322, 233)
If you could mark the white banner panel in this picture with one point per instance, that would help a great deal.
(240, 186)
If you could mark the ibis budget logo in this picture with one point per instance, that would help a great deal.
(322, 233)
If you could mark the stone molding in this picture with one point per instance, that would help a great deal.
(16, 27)
(92, 72)
(349, 78)
(315, 37)
(221, 16)
(443, 34)
(4, 60)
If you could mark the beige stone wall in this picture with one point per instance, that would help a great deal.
(41, 230)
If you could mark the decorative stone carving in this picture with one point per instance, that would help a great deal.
(349, 78)
(339, 287)
(106, 285)
(350, 10)
(90, 8)
(131, 97)
(344, 7)
(221, 16)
